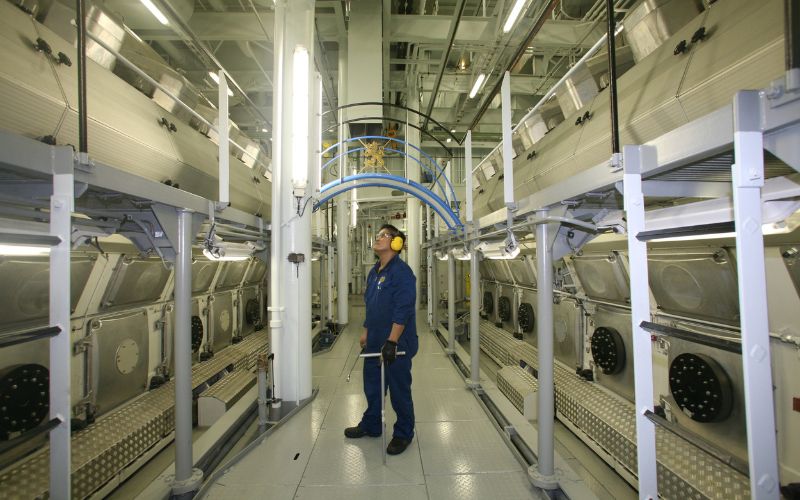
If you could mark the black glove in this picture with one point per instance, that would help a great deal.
(389, 351)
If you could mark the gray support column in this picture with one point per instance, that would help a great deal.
(451, 304)
(544, 477)
(61, 205)
(474, 319)
(187, 479)
(429, 266)
(293, 351)
(748, 179)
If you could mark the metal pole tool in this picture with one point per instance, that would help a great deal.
(383, 396)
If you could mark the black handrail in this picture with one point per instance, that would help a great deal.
(722, 343)
(9, 339)
(399, 106)
(332, 127)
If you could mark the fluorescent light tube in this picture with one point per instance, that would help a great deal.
(477, 86)
(156, 13)
(513, 15)
(300, 96)
(23, 250)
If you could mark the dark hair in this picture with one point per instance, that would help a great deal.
(394, 232)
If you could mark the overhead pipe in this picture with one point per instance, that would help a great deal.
(83, 141)
(612, 78)
(544, 16)
(450, 38)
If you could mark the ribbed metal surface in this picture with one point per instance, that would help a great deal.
(231, 387)
(103, 449)
(516, 384)
(684, 471)
(718, 169)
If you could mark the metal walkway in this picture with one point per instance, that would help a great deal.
(456, 453)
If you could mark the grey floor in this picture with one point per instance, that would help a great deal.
(456, 453)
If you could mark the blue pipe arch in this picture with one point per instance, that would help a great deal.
(371, 179)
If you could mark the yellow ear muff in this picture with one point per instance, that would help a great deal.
(397, 243)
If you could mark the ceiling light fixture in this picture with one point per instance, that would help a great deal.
(513, 15)
(156, 13)
(23, 250)
(477, 86)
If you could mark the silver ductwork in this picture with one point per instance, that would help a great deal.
(652, 22)
(127, 130)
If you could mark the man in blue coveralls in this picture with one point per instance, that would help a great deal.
(390, 326)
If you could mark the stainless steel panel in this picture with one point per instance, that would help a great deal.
(32, 99)
(232, 274)
(576, 91)
(652, 22)
(620, 320)
(602, 277)
(256, 272)
(523, 270)
(567, 331)
(222, 319)
(121, 348)
(729, 434)
(791, 258)
(203, 272)
(501, 271)
(25, 293)
(487, 270)
(250, 315)
(135, 281)
(699, 283)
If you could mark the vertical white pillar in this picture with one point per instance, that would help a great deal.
(429, 267)
(634, 157)
(224, 145)
(508, 152)
(748, 178)
(474, 272)
(294, 346)
(342, 202)
(61, 207)
(413, 205)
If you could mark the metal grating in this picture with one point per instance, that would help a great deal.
(684, 471)
(103, 449)
(718, 169)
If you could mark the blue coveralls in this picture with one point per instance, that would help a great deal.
(390, 298)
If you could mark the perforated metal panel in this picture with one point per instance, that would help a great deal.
(120, 348)
(25, 290)
(232, 274)
(699, 283)
(602, 277)
(684, 471)
(135, 281)
(222, 319)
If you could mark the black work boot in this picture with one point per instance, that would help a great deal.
(357, 432)
(397, 446)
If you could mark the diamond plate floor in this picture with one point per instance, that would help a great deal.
(456, 453)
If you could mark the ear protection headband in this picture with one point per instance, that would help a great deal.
(397, 243)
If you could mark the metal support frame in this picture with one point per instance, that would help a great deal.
(186, 478)
(544, 475)
(224, 130)
(637, 159)
(748, 179)
(62, 203)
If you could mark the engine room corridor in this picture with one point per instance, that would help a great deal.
(456, 452)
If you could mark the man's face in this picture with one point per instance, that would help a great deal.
(382, 241)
